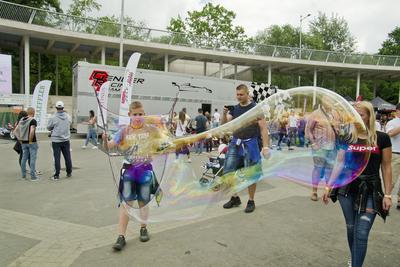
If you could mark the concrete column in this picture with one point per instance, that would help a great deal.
(39, 67)
(21, 69)
(56, 75)
(26, 70)
(235, 72)
(269, 74)
(103, 55)
(221, 65)
(205, 68)
(334, 82)
(314, 100)
(166, 63)
(358, 84)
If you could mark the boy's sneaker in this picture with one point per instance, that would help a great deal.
(55, 177)
(233, 202)
(69, 175)
(34, 179)
(144, 235)
(120, 243)
(251, 206)
(95, 147)
(83, 147)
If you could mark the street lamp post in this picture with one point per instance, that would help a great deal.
(301, 24)
(121, 36)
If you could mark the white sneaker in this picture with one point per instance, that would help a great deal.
(83, 147)
(349, 262)
(189, 160)
(95, 147)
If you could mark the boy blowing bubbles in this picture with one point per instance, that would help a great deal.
(137, 142)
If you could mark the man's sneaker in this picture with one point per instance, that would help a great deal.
(34, 179)
(69, 175)
(55, 177)
(144, 235)
(83, 147)
(251, 206)
(120, 243)
(233, 202)
(95, 147)
(189, 160)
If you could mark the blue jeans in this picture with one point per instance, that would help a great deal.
(358, 228)
(301, 139)
(64, 148)
(200, 146)
(29, 151)
(233, 161)
(91, 134)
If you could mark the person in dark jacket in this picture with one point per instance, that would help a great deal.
(363, 198)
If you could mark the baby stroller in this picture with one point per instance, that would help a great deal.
(214, 167)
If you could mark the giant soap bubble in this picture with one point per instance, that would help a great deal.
(316, 133)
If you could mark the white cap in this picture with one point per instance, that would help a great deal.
(60, 104)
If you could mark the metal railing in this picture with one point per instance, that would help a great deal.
(67, 22)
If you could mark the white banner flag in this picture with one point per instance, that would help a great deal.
(5, 75)
(103, 99)
(126, 91)
(39, 103)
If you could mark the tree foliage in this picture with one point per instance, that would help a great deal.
(45, 4)
(81, 8)
(212, 26)
(285, 35)
(391, 46)
(331, 34)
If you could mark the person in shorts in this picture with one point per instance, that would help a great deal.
(135, 142)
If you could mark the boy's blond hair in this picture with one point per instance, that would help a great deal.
(135, 105)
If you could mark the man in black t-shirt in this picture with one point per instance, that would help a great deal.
(27, 136)
(244, 148)
(201, 126)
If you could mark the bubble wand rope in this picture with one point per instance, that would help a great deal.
(105, 128)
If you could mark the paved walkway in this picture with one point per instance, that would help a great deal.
(72, 222)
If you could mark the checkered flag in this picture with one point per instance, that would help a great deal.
(262, 91)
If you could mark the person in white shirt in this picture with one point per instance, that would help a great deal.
(292, 127)
(393, 130)
(180, 131)
(216, 118)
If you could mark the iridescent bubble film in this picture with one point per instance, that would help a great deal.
(304, 138)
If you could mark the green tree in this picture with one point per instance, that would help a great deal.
(391, 46)
(212, 27)
(81, 8)
(389, 90)
(285, 35)
(331, 34)
(45, 4)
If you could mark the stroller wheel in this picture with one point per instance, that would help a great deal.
(204, 181)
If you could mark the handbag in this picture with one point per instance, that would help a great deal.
(17, 147)
(189, 128)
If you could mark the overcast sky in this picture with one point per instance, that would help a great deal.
(370, 21)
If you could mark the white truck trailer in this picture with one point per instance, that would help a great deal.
(155, 89)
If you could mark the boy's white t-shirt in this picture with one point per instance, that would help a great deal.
(395, 123)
